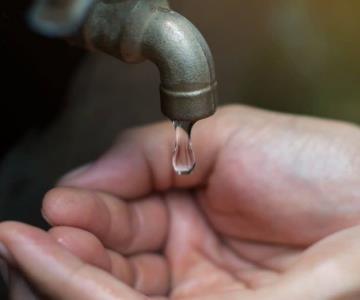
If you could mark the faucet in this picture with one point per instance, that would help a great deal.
(137, 30)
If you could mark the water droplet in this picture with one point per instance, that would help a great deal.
(183, 157)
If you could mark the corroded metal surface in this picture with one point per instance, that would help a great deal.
(136, 30)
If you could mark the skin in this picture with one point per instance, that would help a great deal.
(272, 211)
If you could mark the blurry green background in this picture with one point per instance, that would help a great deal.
(301, 56)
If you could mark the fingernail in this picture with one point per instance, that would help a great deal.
(45, 217)
(74, 174)
(4, 271)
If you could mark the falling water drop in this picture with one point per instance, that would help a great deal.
(183, 157)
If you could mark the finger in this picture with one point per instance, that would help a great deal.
(140, 161)
(20, 289)
(147, 273)
(127, 228)
(151, 274)
(89, 249)
(136, 271)
(330, 269)
(84, 245)
(55, 271)
(194, 253)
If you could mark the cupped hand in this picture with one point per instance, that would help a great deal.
(270, 212)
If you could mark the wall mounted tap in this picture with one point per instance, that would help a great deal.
(136, 30)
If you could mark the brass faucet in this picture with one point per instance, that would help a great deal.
(136, 30)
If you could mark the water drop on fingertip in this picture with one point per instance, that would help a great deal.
(183, 159)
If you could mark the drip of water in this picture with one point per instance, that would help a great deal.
(183, 157)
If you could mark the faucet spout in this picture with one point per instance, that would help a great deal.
(136, 30)
(188, 84)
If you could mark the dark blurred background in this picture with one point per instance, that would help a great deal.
(62, 107)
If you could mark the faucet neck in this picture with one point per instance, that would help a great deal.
(135, 30)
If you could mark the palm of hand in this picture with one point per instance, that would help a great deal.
(196, 261)
(232, 238)
(257, 220)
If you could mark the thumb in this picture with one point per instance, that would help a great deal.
(330, 269)
(140, 160)
(53, 271)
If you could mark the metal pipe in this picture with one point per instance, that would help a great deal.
(136, 30)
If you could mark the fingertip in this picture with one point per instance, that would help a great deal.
(82, 244)
(54, 202)
(65, 206)
(68, 178)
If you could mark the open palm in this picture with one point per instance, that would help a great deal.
(262, 217)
